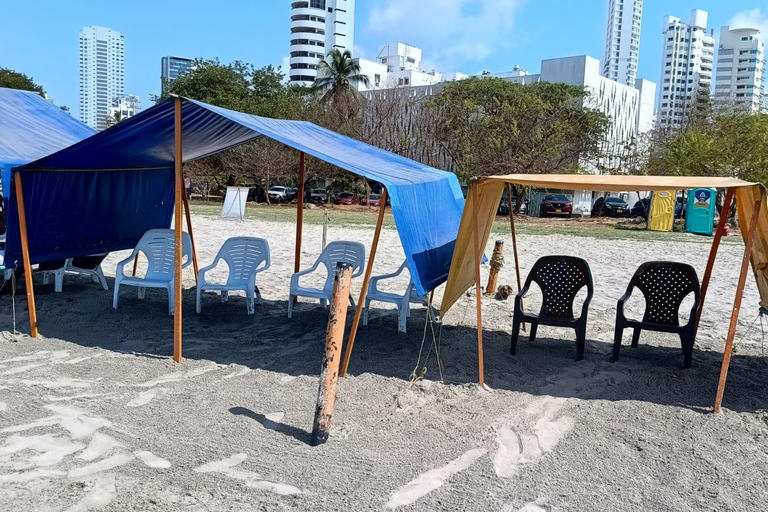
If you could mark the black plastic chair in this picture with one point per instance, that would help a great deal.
(664, 285)
(560, 279)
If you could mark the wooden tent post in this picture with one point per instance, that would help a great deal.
(737, 301)
(366, 280)
(177, 311)
(25, 256)
(299, 213)
(514, 237)
(713, 253)
(478, 256)
(514, 241)
(191, 233)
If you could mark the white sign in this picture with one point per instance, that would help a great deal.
(234, 203)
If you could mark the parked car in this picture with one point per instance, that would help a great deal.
(278, 194)
(346, 198)
(504, 206)
(556, 204)
(292, 193)
(375, 200)
(318, 195)
(610, 207)
(641, 208)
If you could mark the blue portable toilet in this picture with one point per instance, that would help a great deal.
(700, 211)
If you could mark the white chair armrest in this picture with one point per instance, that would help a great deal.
(201, 273)
(120, 268)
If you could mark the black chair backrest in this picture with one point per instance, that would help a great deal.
(665, 284)
(560, 279)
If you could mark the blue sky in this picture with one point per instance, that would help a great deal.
(40, 37)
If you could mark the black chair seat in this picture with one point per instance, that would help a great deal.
(560, 279)
(664, 284)
(553, 321)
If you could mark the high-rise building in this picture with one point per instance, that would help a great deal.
(740, 76)
(173, 67)
(622, 40)
(317, 27)
(686, 72)
(123, 108)
(102, 73)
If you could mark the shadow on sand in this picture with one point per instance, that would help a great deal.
(225, 334)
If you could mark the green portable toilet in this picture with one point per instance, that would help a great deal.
(700, 211)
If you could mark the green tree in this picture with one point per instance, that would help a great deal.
(491, 126)
(14, 80)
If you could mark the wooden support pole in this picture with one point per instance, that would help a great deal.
(135, 264)
(177, 308)
(325, 228)
(514, 241)
(713, 253)
(366, 280)
(188, 214)
(497, 261)
(514, 237)
(334, 338)
(478, 256)
(737, 301)
(299, 213)
(25, 256)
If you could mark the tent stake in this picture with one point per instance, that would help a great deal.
(191, 233)
(737, 302)
(177, 285)
(25, 256)
(478, 256)
(713, 254)
(366, 280)
(299, 216)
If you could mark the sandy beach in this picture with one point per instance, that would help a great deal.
(94, 414)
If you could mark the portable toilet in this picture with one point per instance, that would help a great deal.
(700, 211)
(662, 212)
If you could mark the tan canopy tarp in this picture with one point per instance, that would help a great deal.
(489, 190)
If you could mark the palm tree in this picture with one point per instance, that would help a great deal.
(338, 74)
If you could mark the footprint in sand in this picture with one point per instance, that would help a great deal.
(516, 448)
(3, 406)
(229, 468)
(238, 373)
(101, 492)
(433, 479)
(145, 397)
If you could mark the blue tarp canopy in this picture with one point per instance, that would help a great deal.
(32, 127)
(103, 193)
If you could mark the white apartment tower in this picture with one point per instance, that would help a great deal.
(317, 27)
(622, 40)
(740, 76)
(102, 73)
(686, 72)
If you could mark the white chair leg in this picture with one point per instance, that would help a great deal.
(142, 292)
(101, 279)
(46, 276)
(365, 312)
(351, 300)
(114, 298)
(250, 303)
(402, 318)
(198, 303)
(171, 300)
(290, 306)
(58, 280)
(224, 295)
(324, 303)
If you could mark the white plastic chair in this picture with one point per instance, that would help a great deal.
(69, 267)
(403, 302)
(245, 256)
(335, 252)
(159, 246)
